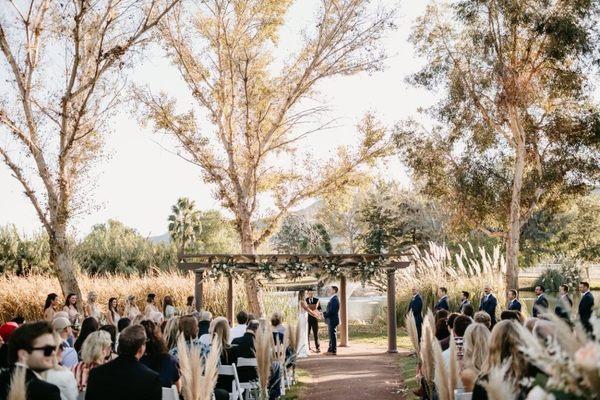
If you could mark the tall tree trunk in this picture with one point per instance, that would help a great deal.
(254, 292)
(62, 262)
(514, 228)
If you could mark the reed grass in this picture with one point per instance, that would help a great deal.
(263, 348)
(198, 374)
(440, 375)
(18, 388)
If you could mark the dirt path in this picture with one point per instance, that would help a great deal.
(362, 371)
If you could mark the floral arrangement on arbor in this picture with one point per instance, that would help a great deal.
(297, 269)
(331, 269)
(367, 270)
(267, 269)
(226, 269)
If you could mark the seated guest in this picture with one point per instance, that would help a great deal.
(121, 325)
(242, 321)
(513, 303)
(62, 377)
(505, 346)
(512, 315)
(441, 330)
(62, 328)
(189, 327)
(244, 347)
(445, 342)
(6, 331)
(441, 314)
(204, 319)
(31, 346)
(530, 323)
(442, 303)
(459, 326)
(475, 347)
(468, 310)
(278, 328)
(125, 378)
(96, 351)
(220, 330)
(157, 357)
(89, 325)
(483, 318)
(112, 331)
(171, 333)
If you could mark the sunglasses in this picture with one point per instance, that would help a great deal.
(48, 350)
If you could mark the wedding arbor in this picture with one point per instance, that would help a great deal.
(344, 267)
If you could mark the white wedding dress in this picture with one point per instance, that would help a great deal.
(302, 332)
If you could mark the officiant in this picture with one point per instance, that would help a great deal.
(313, 323)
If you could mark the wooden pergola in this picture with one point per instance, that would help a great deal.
(203, 264)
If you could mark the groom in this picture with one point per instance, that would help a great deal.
(332, 319)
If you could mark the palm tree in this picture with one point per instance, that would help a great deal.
(184, 223)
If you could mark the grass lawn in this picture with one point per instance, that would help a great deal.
(295, 392)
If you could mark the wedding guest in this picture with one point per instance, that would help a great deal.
(169, 309)
(125, 378)
(31, 346)
(156, 316)
(62, 328)
(416, 306)
(189, 327)
(488, 304)
(513, 303)
(91, 308)
(150, 305)
(220, 330)
(540, 305)
(445, 341)
(242, 321)
(121, 325)
(71, 308)
(441, 330)
(459, 325)
(112, 315)
(442, 303)
(313, 322)
(157, 357)
(89, 325)
(586, 305)
(171, 332)
(131, 309)
(96, 351)
(277, 327)
(475, 346)
(62, 377)
(6, 331)
(50, 306)
(505, 346)
(483, 318)
(112, 331)
(441, 314)
(512, 315)
(190, 307)
(244, 347)
(468, 310)
(563, 303)
(464, 301)
(204, 319)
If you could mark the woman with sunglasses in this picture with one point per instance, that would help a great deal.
(96, 351)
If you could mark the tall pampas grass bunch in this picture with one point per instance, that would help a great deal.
(440, 375)
(427, 357)
(413, 333)
(264, 353)
(198, 374)
(18, 388)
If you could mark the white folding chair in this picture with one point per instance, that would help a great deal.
(236, 389)
(252, 385)
(170, 393)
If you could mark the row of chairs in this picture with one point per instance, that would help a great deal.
(249, 390)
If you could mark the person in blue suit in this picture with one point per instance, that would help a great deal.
(541, 302)
(416, 306)
(332, 318)
(489, 303)
(442, 303)
(586, 306)
(513, 302)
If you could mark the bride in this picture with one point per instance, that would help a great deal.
(304, 310)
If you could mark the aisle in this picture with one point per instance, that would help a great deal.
(362, 371)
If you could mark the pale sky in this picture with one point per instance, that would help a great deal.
(140, 180)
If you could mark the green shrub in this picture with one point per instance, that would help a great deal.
(568, 273)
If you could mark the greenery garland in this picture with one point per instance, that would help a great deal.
(226, 269)
(331, 269)
(297, 269)
(267, 269)
(367, 270)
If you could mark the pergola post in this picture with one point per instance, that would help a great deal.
(230, 300)
(343, 312)
(391, 315)
(198, 285)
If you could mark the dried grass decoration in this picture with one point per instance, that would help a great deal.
(198, 374)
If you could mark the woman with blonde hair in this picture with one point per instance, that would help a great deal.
(172, 332)
(96, 350)
(131, 309)
(91, 308)
(475, 352)
(219, 329)
(504, 346)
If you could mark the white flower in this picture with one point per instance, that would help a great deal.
(537, 393)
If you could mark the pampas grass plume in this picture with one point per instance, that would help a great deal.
(411, 329)
(440, 372)
(263, 345)
(18, 389)
(453, 368)
(498, 385)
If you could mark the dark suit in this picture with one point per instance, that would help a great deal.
(244, 347)
(462, 305)
(313, 323)
(416, 306)
(333, 320)
(37, 389)
(514, 305)
(124, 378)
(563, 307)
(489, 306)
(586, 305)
(442, 304)
(540, 305)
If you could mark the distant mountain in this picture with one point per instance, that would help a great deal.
(164, 238)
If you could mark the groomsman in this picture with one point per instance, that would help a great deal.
(488, 304)
(464, 300)
(513, 303)
(313, 323)
(586, 305)
(541, 302)
(563, 303)
(416, 306)
(442, 303)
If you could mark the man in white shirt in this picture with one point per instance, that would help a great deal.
(239, 330)
(62, 327)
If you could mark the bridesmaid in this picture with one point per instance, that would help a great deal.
(131, 309)
(91, 308)
(71, 308)
(50, 306)
(112, 316)
(150, 305)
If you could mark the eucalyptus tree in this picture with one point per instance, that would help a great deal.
(518, 127)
